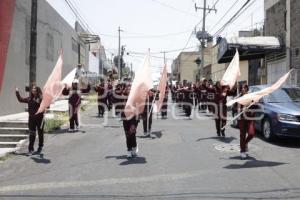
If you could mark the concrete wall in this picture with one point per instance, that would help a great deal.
(295, 39)
(275, 20)
(187, 66)
(53, 33)
(244, 68)
(217, 70)
(282, 19)
(16, 70)
(269, 3)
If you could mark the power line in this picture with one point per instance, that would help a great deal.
(224, 15)
(146, 36)
(78, 16)
(206, 14)
(174, 8)
(234, 17)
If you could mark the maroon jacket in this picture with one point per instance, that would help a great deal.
(102, 93)
(33, 104)
(74, 99)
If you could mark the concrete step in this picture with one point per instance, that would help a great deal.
(8, 144)
(13, 131)
(12, 138)
(17, 124)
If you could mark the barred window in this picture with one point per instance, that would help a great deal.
(74, 45)
(50, 47)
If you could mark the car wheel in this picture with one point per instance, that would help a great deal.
(267, 130)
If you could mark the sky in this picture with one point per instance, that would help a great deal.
(158, 25)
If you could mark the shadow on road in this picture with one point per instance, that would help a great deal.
(208, 138)
(154, 135)
(252, 163)
(228, 139)
(282, 142)
(63, 131)
(157, 134)
(129, 161)
(40, 159)
(222, 139)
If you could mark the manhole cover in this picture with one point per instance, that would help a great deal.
(231, 148)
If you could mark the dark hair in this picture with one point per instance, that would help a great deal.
(218, 85)
(38, 91)
(245, 86)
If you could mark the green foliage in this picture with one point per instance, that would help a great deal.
(56, 122)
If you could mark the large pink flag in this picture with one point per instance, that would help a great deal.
(141, 84)
(232, 72)
(69, 78)
(162, 89)
(53, 86)
(247, 99)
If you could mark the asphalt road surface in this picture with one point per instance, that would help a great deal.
(182, 160)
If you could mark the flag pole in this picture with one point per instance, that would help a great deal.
(237, 115)
(148, 114)
(152, 102)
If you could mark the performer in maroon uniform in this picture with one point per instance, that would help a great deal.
(35, 121)
(130, 127)
(102, 96)
(246, 125)
(74, 104)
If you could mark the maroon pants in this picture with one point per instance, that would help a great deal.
(130, 127)
(246, 133)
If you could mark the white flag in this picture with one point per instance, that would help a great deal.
(232, 72)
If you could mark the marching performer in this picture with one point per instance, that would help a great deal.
(74, 104)
(35, 121)
(130, 127)
(102, 96)
(147, 113)
(246, 126)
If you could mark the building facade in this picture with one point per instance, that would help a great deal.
(282, 20)
(184, 66)
(53, 34)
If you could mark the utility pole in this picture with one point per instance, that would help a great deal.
(119, 54)
(122, 64)
(203, 35)
(33, 40)
(165, 58)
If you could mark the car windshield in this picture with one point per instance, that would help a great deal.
(294, 93)
(279, 96)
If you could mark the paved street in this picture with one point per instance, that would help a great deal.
(182, 160)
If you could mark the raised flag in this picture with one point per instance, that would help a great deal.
(232, 72)
(141, 84)
(247, 99)
(69, 78)
(53, 86)
(162, 89)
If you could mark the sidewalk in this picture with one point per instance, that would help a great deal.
(14, 120)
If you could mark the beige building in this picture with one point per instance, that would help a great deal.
(218, 70)
(185, 68)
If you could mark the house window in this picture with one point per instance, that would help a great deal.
(50, 47)
(74, 45)
(297, 52)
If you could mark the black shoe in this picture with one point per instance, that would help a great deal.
(39, 151)
(30, 153)
(223, 133)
